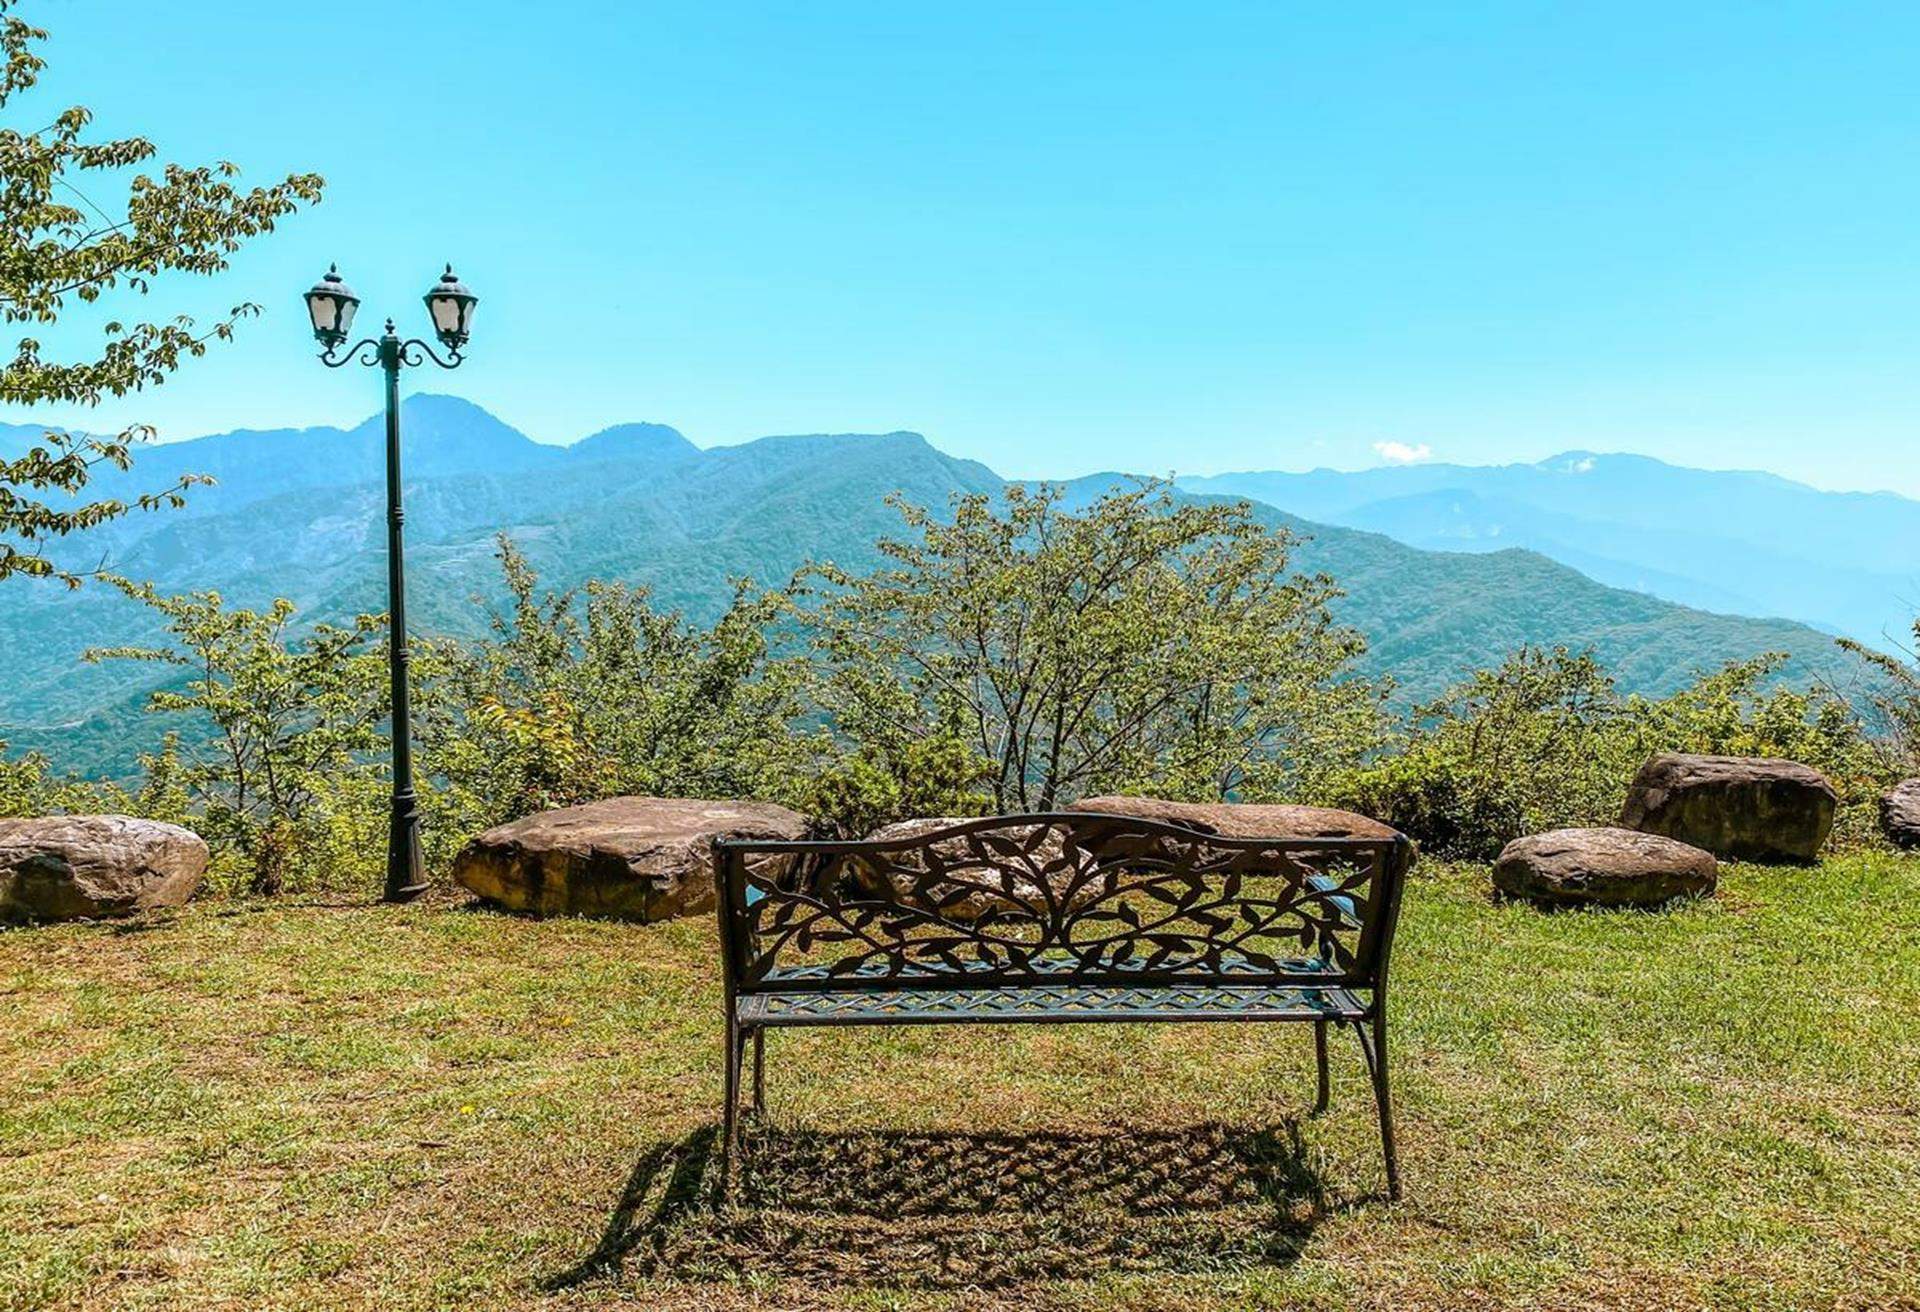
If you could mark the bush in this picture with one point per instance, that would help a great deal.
(1893, 693)
(579, 695)
(29, 786)
(1536, 743)
(1546, 741)
(875, 783)
(1016, 657)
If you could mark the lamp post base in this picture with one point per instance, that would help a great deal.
(406, 872)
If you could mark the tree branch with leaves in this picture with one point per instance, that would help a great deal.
(57, 247)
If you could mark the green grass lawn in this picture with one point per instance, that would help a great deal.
(339, 1106)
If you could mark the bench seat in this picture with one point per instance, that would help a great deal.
(1050, 1002)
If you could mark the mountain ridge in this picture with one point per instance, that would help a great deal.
(1842, 562)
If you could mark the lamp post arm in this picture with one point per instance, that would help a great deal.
(417, 351)
(366, 351)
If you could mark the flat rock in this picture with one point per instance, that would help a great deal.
(1247, 819)
(1740, 808)
(1900, 813)
(627, 858)
(1603, 867)
(72, 867)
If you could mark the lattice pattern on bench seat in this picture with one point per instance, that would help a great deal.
(1052, 1002)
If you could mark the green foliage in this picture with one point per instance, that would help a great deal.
(189, 220)
(29, 786)
(1546, 741)
(290, 714)
(1509, 751)
(1895, 698)
(1028, 656)
(1014, 657)
(581, 695)
(870, 784)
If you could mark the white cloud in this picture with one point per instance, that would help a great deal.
(1399, 453)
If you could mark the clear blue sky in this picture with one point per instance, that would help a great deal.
(1061, 238)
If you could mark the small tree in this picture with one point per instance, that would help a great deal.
(1033, 656)
(588, 694)
(1539, 741)
(1895, 698)
(288, 715)
(52, 250)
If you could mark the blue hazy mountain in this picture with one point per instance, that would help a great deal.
(300, 513)
(1755, 543)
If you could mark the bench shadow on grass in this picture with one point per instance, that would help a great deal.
(956, 1210)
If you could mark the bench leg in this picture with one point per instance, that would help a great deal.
(759, 1071)
(1373, 1046)
(730, 1113)
(1323, 1093)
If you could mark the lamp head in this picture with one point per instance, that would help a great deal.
(450, 305)
(330, 305)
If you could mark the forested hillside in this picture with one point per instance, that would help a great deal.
(300, 514)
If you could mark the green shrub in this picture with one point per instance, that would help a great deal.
(579, 695)
(29, 786)
(1535, 743)
(1014, 658)
(874, 783)
(1546, 741)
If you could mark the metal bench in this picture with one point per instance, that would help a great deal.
(1059, 917)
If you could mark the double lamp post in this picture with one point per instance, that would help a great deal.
(330, 304)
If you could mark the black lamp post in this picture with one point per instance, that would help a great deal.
(331, 304)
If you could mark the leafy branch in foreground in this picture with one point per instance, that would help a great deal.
(58, 246)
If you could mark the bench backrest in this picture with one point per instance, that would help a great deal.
(1101, 899)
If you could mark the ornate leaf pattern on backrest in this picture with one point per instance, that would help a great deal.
(1028, 899)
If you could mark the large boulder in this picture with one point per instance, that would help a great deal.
(1740, 808)
(1247, 820)
(72, 867)
(628, 858)
(1900, 813)
(1603, 867)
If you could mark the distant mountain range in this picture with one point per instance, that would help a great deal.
(299, 513)
(1749, 543)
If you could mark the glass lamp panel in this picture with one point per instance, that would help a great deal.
(344, 313)
(446, 314)
(325, 311)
